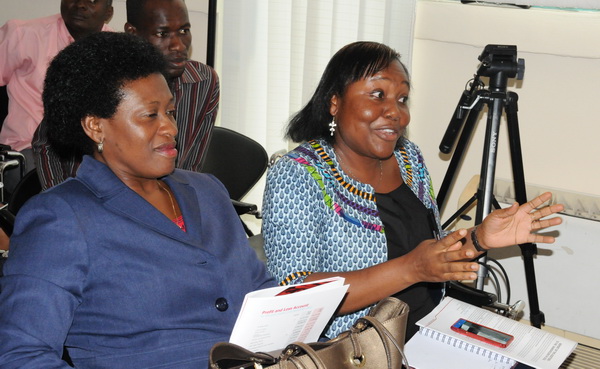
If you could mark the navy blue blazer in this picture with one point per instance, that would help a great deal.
(96, 268)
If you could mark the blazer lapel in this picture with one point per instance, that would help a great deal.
(121, 199)
(189, 204)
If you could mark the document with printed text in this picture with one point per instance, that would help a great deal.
(272, 318)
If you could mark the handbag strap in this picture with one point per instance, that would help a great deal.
(291, 352)
(232, 353)
(385, 335)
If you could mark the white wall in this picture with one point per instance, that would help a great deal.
(557, 98)
(29, 9)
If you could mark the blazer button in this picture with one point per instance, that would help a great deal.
(221, 304)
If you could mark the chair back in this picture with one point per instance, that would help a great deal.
(27, 187)
(3, 104)
(236, 160)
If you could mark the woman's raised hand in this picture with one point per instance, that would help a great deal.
(515, 225)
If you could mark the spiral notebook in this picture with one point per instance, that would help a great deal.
(437, 346)
(429, 349)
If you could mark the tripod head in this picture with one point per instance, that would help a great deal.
(499, 62)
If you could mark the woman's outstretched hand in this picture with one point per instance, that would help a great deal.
(514, 225)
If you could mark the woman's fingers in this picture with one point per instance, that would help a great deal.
(443, 260)
(453, 265)
(535, 213)
(515, 224)
(462, 276)
(545, 223)
(454, 239)
(460, 270)
(538, 238)
(547, 210)
(537, 217)
(536, 202)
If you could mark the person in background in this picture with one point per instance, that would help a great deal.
(132, 263)
(165, 24)
(356, 200)
(26, 48)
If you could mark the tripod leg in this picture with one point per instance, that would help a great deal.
(485, 192)
(528, 250)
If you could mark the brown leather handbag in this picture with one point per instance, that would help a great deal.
(374, 341)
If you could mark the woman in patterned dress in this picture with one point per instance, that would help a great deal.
(356, 200)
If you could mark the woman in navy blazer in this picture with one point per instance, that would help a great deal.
(133, 263)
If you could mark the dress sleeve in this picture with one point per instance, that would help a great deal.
(292, 219)
(42, 285)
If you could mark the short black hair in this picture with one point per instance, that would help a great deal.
(351, 63)
(135, 11)
(86, 79)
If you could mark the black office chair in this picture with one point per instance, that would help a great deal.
(3, 104)
(25, 189)
(238, 162)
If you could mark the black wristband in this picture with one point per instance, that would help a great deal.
(475, 242)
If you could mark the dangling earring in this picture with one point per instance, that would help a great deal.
(100, 146)
(332, 126)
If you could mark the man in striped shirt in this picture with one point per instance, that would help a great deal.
(195, 87)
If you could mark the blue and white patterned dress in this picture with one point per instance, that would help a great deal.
(318, 219)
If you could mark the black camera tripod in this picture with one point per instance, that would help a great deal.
(499, 63)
